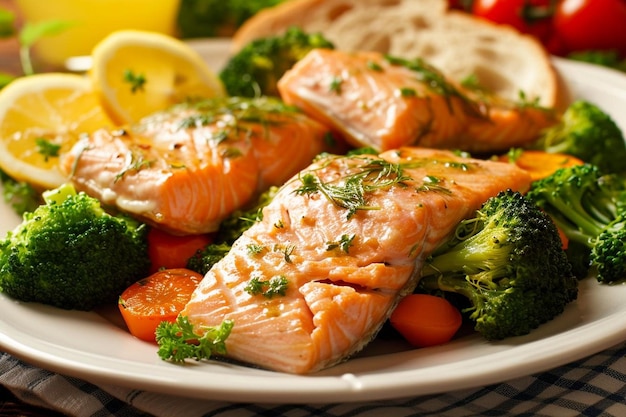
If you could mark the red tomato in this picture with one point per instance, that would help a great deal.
(584, 25)
(527, 16)
(426, 320)
(159, 297)
(169, 251)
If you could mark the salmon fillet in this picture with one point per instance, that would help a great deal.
(347, 238)
(385, 103)
(186, 169)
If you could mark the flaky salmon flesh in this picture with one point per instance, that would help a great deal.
(338, 246)
(386, 103)
(186, 169)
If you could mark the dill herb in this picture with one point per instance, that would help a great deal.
(135, 163)
(436, 81)
(196, 120)
(373, 174)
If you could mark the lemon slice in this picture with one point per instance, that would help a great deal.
(137, 73)
(41, 117)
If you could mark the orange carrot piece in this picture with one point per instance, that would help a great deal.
(541, 164)
(426, 320)
(167, 251)
(159, 297)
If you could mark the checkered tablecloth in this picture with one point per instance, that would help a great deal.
(594, 386)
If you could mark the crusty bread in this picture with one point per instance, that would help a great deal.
(503, 60)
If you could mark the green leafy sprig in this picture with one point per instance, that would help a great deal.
(177, 341)
(27, 36)
(351, 193)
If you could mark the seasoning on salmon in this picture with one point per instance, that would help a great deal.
(314, 280)
(385, 103)
(188, 168)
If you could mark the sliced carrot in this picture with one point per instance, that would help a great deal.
(564, 239)
(159, 297)
(426, 320)
(167, 251)
(540, 164)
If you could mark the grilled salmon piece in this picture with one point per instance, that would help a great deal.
(385, 103)
(314, 280)
(186, 169)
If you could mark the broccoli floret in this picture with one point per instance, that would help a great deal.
(71, 254)
(230, 229)
(255, 70)
(206, 257)
(208, 18)
(588, 133)
(19, 194)
(589, 208)
(508, 262)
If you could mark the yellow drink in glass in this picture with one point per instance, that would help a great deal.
(92, 20)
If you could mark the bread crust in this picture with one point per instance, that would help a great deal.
(502, 59)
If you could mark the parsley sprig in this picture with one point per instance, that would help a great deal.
(177, 341)
(275, 286)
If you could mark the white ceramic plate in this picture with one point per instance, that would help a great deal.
(96, 347)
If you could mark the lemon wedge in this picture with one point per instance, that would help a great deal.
(41, 117)
(137, 73)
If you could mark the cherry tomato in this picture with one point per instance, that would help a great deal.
(159, 297)
(168, 251)
(584, 25)
(527, 16)
(426, 320)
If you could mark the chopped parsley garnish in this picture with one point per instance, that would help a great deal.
(335, 85)
(136, 81)
(274, 286)
(344, 243)
(46, 148)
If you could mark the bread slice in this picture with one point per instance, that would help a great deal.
(503, 60)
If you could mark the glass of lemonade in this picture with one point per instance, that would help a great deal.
(91, 20)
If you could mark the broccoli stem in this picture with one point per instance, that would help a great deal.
(579, 226)
(59, 195)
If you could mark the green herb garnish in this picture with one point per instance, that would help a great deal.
(177, 341)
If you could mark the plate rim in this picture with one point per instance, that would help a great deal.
(327, 385)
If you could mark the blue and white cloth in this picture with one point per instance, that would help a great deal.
(594, 386)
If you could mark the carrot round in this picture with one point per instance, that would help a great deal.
(167, 251)
(159, 297)
(426, 320)
(540, 164)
